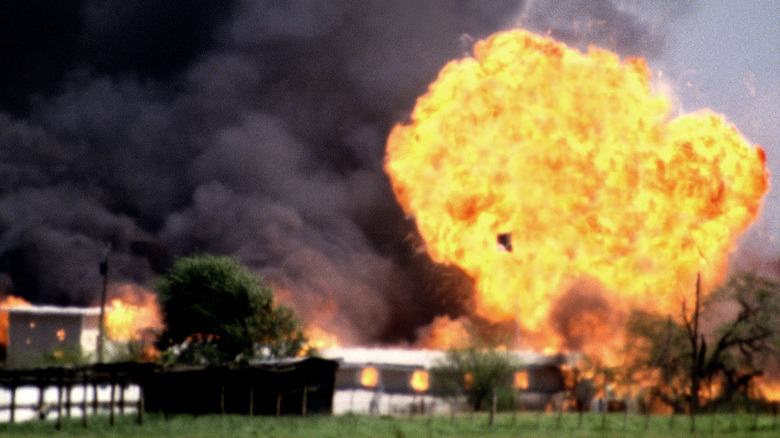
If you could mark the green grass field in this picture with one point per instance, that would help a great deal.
(506, 425)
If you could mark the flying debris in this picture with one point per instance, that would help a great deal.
(504, 242)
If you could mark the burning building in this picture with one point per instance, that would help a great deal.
(393, 381)
(263, 137)
(37, 334)
(31, 333)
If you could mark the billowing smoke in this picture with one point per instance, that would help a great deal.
(584, 315)
(250, 128)
(609, 25)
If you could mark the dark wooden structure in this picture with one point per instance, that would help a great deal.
(290, 386)
(293, 386)
(115, 376)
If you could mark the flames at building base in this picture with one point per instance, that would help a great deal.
(611, 203)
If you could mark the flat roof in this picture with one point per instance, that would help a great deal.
(52, 310)
(424, 358)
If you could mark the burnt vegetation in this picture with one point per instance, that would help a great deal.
(692, 368)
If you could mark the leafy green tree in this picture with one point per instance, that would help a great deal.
(217, 311)
(481, 374)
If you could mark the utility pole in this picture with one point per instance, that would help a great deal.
(104, 290)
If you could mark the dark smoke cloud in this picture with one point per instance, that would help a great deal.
(583, 315)
(249, 128)
(609, 24)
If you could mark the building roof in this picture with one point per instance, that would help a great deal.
(423, 358)
(52, 310)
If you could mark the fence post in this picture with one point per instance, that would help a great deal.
(222, 397)
(251, 399)
(141, 404)
(164, 377)
(625, 416)
(122, 388)
(13, 401)
(59, 403)
(68, 407)
(493, 404)
(559, 420)
(95, 397)
(84, 380)
(112, 414)
(303, 402)
(41, 413)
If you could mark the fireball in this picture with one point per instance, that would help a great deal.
(608, 199)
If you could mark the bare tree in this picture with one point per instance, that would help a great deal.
(698, 351)
(743, 333)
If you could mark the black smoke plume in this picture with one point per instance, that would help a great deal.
(249, 128)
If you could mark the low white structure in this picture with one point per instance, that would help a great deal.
(38, 332)
(400, 381)
(29, 396)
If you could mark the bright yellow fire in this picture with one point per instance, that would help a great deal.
(420, 380)
(134, 313)
(575, 158)
(318, 339)
(520, 380)
(369, 377)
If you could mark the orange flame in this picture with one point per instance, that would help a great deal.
(420, 380)
(769, 388)
(319, 339)
(575, 158)
(134, 316)
(468, 381)
(8, 302)
(520, 380)
(369, 377)
(445, 333)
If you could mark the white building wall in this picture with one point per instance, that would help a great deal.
(38, 332)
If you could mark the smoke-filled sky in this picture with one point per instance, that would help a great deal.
(257, 129)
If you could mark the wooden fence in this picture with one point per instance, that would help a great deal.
(297, 386)
(117, 377)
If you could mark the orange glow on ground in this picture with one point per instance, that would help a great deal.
(769, 389)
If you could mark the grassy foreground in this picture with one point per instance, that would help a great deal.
(506, 425)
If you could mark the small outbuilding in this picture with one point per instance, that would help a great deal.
(40, 334)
